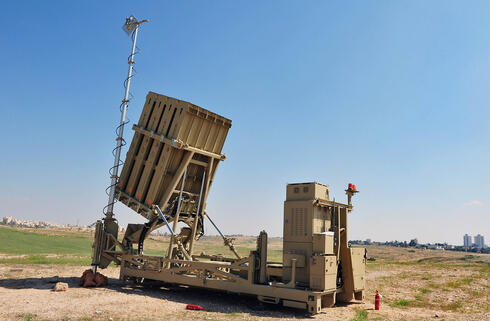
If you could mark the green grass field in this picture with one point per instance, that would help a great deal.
(43, 246)
(13, 241)
(39, 247)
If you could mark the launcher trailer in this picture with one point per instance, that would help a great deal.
(166, 178)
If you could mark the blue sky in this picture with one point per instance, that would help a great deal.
(390, 95)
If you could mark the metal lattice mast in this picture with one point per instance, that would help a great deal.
(131, 28)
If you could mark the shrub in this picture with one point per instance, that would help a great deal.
(400, 303)
(361, 315)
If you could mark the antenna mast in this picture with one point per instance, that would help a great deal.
(131, 27)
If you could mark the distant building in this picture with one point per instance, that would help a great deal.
(435, 247)
(479, 241)
(467, 242)
(413, 242)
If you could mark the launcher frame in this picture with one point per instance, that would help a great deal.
(169, 169)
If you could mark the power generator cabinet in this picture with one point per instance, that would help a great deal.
(358, 269)
(323, 274)
(166, 178)
(323, 243)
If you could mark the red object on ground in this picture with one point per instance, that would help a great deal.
(100, 279)
(195, 307)
(89, 279)
(377, 300)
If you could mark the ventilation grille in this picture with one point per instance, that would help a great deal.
(298, 226)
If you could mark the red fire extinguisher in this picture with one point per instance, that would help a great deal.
(377, 300)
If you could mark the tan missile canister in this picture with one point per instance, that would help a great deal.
(171, 135)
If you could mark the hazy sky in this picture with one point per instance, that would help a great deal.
(390, 95)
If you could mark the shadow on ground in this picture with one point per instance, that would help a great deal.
(213, 301)
(38, 283)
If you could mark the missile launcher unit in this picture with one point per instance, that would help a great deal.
(166, 178)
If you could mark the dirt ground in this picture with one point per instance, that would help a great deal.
(414, 291)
